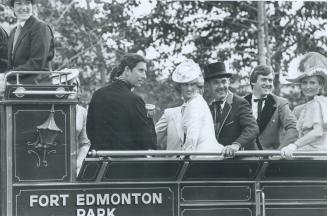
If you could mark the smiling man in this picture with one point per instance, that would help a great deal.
(277, 124)
(117, 118)
(235, 126)
(31, 42)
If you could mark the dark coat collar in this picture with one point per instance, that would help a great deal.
(249, 98)
(123, 83)
(226, 110)
(267, 111)
(26, 28)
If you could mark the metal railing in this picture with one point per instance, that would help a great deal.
(21, 91)
(254, 153)
(17, 73)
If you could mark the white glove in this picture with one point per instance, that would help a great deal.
(287, 151)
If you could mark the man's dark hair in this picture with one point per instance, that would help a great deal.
(260, 70)
(129, 60)
(12, 2)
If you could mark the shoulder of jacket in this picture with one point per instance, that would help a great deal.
(279, 100)
(37, 23)
(239, 99)
(100, 91)
(169, 111)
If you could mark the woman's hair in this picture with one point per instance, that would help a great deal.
(129, 60)
(321, 79)
(198, 81)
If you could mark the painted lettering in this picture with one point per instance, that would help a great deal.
(96, 212)
(48, 200)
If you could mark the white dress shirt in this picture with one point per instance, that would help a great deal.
(255, 106)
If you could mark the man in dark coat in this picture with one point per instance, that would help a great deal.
(117, 118)
(277, 124)
(31, 42)
(235, 126)
(3, 50)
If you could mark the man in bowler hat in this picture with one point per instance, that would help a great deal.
(277, 124)
(235, 126)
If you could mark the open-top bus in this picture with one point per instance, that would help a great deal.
(38, 171)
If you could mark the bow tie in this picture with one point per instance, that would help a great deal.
(260, 99)
(217, 102)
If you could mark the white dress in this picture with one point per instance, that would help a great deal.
(198, 126)
(309, 114)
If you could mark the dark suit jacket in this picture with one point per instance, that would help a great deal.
(117, 120)
(237, 123)
(3, 50)
(34, 48)
(277, 124)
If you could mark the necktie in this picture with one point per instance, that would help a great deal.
(17, 33)
(216, 110)
(260, 103)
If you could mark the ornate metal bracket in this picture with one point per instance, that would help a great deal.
(45, 143)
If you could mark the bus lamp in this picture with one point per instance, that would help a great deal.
(45, 143)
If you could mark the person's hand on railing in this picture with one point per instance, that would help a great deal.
(287, 151)
(229, 150)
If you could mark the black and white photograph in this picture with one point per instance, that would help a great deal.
(163, 108)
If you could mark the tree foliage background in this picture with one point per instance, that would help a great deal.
(93, 34)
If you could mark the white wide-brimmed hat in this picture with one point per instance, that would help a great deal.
(310, 64)
(71, 74)
(187, 71)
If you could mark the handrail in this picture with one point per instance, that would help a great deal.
(43, 92)
(250, 153)
(17, 73)
(263, 198)
(258, 204)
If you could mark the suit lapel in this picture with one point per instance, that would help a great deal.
(225, 113)
(267, 112)
(24, 32)
(249, 98)
(10, 47)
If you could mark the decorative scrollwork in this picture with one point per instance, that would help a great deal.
(45, 143)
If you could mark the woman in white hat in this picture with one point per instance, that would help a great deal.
(83, 143)
(312, 116)
(190, 126)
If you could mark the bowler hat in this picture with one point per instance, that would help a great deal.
(215, 70)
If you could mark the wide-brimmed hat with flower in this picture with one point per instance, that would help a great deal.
(188, 71)
(310, 64)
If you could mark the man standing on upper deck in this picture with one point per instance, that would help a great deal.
(273, 114)
(117, 118)
(235, 126)
(31, 42)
